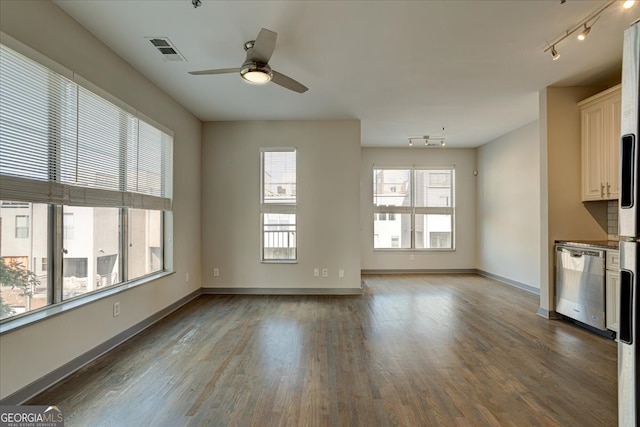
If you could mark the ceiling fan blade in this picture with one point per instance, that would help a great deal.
(218, 71)
(263, 46)
(288, 82)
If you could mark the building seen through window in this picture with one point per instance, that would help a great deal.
(413, 208)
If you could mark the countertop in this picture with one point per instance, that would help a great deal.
(603, 244)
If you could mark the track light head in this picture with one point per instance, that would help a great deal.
(554, 53)
(196, 3)
(628, 4)
(583, 34)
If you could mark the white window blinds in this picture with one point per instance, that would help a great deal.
(147, 172)
(61, 143)
(37, 114)
(103, 131)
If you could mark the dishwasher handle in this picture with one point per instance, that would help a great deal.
(579, 253)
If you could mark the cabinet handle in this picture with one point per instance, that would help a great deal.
(602, 190)
(608, 190)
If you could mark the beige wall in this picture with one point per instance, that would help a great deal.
(465, 204)
(328, 159)
(31, 352)
(508, 217)
(566, 216)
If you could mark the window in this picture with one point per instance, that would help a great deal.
(84, 268)
(22, 287)
(22, 226)
(418, 203)
(440, 240)
(145, 242)
(81, 175)
(278, 205)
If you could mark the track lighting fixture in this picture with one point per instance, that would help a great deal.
(584, 25)
(583, 33)
(196, 3)
(429, 141)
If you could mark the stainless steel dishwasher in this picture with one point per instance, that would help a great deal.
(580, 284)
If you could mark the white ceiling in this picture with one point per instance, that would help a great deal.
(403, 68)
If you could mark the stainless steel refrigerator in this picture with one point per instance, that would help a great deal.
(629, 222)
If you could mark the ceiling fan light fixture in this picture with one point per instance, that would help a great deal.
(256, 73)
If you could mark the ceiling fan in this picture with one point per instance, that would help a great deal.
(255, 68)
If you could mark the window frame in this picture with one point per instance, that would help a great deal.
(272, 207)
(412, 210)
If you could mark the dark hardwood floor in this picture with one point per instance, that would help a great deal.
(414, 350)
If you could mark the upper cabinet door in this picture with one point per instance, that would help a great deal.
(592, 137)
(600, 135)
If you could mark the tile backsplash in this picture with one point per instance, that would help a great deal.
(612, 219)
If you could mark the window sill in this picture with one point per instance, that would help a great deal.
(414, 250)
(279, 261)
(26, 319)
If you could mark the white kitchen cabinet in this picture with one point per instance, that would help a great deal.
(612, 285)
(600, 133)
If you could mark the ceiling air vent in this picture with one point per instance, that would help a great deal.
(166, 48)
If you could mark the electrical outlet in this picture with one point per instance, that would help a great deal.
(341, 273)
(186, 277)
(316, 272)
(116, 309)
(216, 272)
(325, 272)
